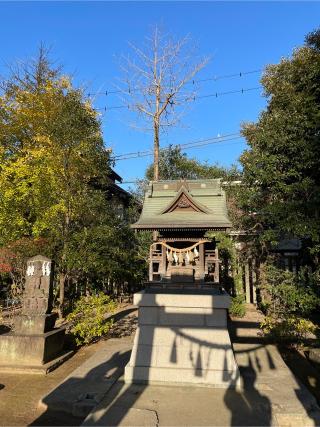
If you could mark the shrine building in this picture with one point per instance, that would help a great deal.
(181, 213)
(182, 335)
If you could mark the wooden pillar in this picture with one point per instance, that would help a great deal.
(150, 264)
(294, 264)
(286, 263)
(201, 262)
(217, 266)
(163, 261)
(247, 281)
(254, 280)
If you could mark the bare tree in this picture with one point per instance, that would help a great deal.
(158, 82)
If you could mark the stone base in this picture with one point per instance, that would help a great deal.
(36, 369)
(182, 338)
(34, 324)
(31, 350)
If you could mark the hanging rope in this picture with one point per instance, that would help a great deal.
(184, 250)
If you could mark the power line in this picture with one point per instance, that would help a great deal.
(193, 82)
(185, 145)
(188, 145)
(230, 92)
(192, 98)
(236, 182)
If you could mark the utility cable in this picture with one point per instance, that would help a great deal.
(193, 82)
(193, 144)
(191, 98)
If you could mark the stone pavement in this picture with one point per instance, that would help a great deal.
(20, 393)
(271, 395)
(85, 387)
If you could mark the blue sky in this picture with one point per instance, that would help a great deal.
(88, 38)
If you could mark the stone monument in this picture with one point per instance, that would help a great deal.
(35, 345)
(182, 335)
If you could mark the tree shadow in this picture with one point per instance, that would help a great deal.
(247, 406)
(121, 314)
(123, 324)
(115, 400)
(305, 377)
(72, 400)
(307, 372)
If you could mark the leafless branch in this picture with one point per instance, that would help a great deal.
(155, 80)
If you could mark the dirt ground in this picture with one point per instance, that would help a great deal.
(20, 394)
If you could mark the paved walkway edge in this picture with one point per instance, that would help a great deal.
(87, 385)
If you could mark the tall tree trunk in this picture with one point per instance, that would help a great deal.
(63, 275)
(62, 281)
(156, 151)
(156, 162)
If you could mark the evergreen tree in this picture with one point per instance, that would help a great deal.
(280, 194)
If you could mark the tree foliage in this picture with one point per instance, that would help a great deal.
(289, 293)
(174, 164)
(291, 298)
(88, 321)
(230, 271)
(280, 192)
(54, 176)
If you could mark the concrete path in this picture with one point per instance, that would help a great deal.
(271, 395)
(85, 387)
(20, 393)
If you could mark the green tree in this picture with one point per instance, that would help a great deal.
(54, 174)
(173, 164)
(280, 192)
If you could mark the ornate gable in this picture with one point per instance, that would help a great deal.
(184, 202)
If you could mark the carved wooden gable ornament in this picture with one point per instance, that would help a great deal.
(184, 202)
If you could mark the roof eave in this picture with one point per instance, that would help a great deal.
(180, 226)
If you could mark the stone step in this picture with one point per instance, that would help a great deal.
(192, 357)
(157, 375)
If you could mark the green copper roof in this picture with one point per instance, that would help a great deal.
(201, 204)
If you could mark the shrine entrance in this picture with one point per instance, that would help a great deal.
(180, 213)
(182, 262)
(182, 334)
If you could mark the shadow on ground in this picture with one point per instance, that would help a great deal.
(258, 403)
(80, 395)
(74, 398)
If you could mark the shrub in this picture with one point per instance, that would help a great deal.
(292, 328)
(88, 320)
(290, 298)
(238, 307)
(289, 293)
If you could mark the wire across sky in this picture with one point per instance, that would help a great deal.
(191, 144)
(193, 82)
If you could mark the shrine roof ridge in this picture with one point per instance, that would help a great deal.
(184, 204)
